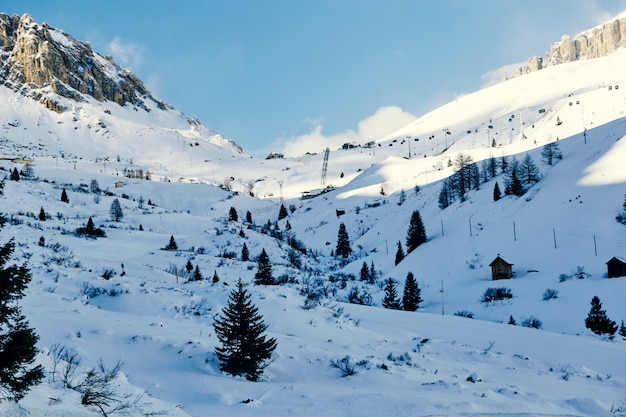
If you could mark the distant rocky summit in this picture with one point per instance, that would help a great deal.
(35, 59)
(593, 43)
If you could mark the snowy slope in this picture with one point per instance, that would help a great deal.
(425, 363)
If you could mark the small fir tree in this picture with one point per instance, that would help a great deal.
(263, 274)
(343, 242)
(597, 321)
(551, 152)
(622, 329)
(197, 275)
(232, 215)
(391, 299)
(94, 187)
(399, 253)
(64, 197)
(172, 245)
(15, 175)
(17, 341)
(116, 211)
(215, 279)
(402, 197)
(245, 254)
(496, 192)
(244, 349)
(416, 235)
(365, 272)
(411, 297)
(373, 274)
(42, 215)
(282, 213)
(512, 321)
(189, 267)
(529, 173)
(249, 217)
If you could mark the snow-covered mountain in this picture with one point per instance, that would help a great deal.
(123, 297)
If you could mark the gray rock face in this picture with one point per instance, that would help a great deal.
(594, 43)
(40, 56)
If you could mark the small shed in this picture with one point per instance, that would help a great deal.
(119, 184)
(501, 269)
(616, 267)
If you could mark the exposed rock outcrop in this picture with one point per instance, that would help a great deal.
(594, 43)
(40, 56)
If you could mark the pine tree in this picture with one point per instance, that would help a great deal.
(496, 192)
(94, 187)
(248, 217)
(365, 272)
(446, 194)
(17, 341)
(282, 213)
(42, 215)
(343, 242)
(245, 254)
(116, 211)
(622, 330)
(244, 348)
(189, 267)
(411, 296)
(197, 275)
(512, 321)
(15, 175)
(373, 274)
(402, 197)
(529, 173)
(232, 215)
(391, 299)
(215, 279)
(64, 197)
(512, 183)
(550, 152)
(416, 235)
(399, 253)
(263, 274)
(172, 245)
(597, 321)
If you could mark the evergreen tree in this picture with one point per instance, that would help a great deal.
(17, 341)
(172, 245)
(232, 215)
(197, 275)
(416, 235)
(15, 175)
(244, 348)
(411, 296)
(391, 299)
(513, 184)
(496, 192)
(372, 277)
(446, 194)
(463, 165)
(343, 242)
(550, 152)
(512, 321)
(282, 213)
(95, 187)
(189, 267)
(245, 254)
(249, 217)
(263, 274)
(42, 215)
(64, 197)
(622, 330)
(90, 229)
(402, 197)
(116, 211)
(287, 225)
(216, 279)
(365, 272)
(529, 173)
(399, 253)
(597, 321)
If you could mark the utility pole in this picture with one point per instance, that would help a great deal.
(280, 184)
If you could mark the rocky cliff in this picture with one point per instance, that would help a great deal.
(35, 58)
(594, 43)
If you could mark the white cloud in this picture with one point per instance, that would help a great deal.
(386, 120)
(500, 74)
(128, 55)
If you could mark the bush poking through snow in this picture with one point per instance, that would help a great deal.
(550, 294)
(495, 294)
(345, 366)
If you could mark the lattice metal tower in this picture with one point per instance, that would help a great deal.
(325, 167)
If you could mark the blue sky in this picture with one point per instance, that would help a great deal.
(269, 73)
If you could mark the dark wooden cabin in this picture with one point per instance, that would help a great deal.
(501, 269)
(616, 267)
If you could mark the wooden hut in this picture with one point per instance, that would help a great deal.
(616, 267)
(501, 269)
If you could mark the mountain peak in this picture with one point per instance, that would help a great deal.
(42, 58)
